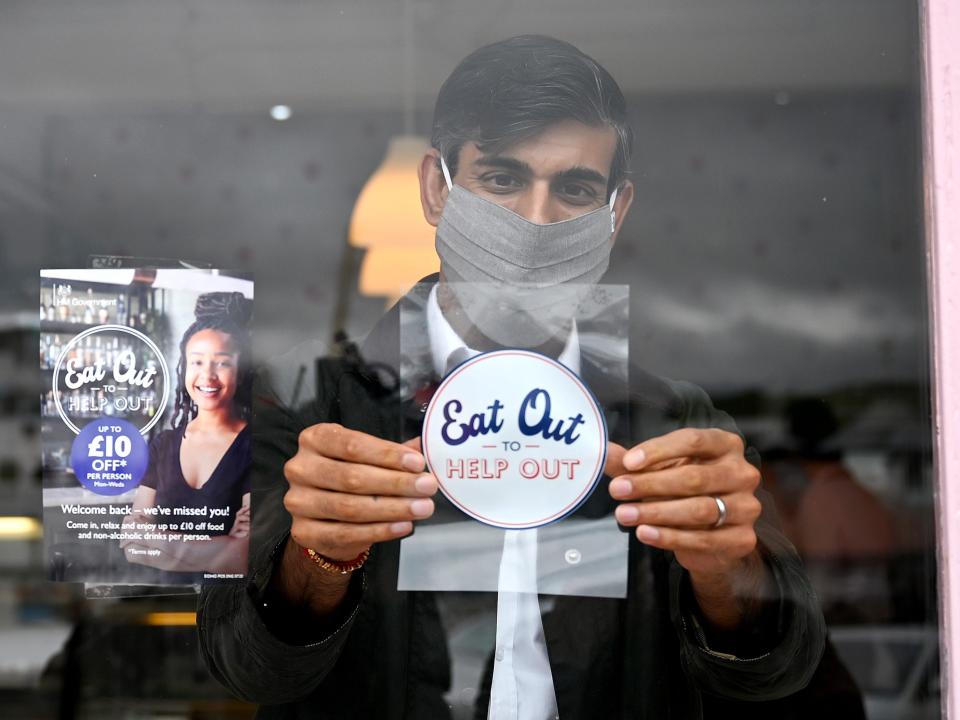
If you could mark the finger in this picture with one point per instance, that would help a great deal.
(733, 541)
(414, 443)
(682, 444)
(325, 505)
(687, 481)
(336, 441)
(696, 512)
(614, 464)
(344, 541)
(321, 472)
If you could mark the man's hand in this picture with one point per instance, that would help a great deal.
(349, 490)
(672, 481)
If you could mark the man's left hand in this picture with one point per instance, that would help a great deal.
(668, 487)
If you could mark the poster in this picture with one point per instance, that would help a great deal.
(145, 419)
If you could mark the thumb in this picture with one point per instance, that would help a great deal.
(614, 465)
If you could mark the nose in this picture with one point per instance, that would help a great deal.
(536, 204)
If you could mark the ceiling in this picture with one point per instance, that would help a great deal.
(241, 56)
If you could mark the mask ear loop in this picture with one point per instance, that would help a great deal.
(613, 213)
(446, 173)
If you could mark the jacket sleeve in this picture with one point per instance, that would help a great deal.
(238, 647)
(793, 632)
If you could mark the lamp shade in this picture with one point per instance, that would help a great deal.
(388, 222)
(388, 212)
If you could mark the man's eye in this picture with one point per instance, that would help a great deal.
(578, 192)
(501, 181)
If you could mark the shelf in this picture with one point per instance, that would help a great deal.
(61, 327)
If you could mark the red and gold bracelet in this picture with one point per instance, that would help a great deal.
(338, 567)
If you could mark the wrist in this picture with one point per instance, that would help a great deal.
(301, 604)
(299, 583)
(337, 567)
(728, 599)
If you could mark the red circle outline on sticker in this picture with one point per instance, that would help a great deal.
(591, 401)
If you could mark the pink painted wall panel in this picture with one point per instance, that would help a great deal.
(941, 19)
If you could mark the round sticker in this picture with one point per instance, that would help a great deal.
(111, 370)
(109, 456)
(515, 439)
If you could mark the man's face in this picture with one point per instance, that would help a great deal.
(560, 174)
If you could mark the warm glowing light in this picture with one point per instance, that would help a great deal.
(388, 220)
(388, 211)
(281, 112)
(170, 619)
(20, 528)
(392, 271)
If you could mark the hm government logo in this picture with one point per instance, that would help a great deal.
(113, 372)
(515, 439)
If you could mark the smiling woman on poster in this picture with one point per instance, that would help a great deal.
(198, 482)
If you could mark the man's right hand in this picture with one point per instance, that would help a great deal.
(349, 490)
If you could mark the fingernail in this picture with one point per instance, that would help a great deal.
(620, 488)
(426, 484)
(634, 459)
(627, 514)
(401, 528)
(647, 533)
(421, 508)
(413, 463)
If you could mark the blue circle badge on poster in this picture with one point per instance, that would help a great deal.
(109, 456)
(515, 439)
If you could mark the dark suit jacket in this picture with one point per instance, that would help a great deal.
(643, 657)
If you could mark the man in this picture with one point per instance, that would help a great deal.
(529, 135)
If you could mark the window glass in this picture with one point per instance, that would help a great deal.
(773, 250)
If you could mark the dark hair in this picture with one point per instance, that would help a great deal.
(514, 89)
(230, 313)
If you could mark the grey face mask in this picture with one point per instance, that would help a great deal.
(518, 281)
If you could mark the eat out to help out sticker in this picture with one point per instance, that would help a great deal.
(515, 439)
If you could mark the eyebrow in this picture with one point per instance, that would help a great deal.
(197, 352)
(583, 174)
(505, 163)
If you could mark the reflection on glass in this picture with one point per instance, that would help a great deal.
(774, 255)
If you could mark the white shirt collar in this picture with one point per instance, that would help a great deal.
(444, 340)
